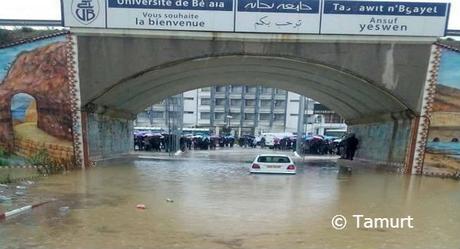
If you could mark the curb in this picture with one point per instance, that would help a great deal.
(21, 210)
(297, 155)
(19, 167)
(20, 179)
(454, 176)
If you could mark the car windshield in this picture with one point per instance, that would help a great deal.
(273, 159)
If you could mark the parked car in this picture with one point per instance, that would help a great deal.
(273, 163)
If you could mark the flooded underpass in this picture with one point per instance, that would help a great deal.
(204, 202)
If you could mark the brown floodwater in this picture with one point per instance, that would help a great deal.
(218, 204)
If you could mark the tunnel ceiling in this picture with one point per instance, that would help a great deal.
(349, 95)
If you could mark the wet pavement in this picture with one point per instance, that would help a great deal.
(211, 201)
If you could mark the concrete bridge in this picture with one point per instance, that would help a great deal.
(376, 83)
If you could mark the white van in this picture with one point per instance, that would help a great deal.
(270, 138)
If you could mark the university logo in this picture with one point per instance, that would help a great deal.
(85, 11)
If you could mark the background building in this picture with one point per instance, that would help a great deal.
(246, 109)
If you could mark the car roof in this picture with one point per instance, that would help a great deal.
(273, 155)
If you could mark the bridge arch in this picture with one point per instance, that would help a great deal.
(377, 86)
(350, 95)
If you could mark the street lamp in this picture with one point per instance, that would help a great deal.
(228, 122)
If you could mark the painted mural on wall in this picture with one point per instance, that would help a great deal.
(35, 108)
(443, 146)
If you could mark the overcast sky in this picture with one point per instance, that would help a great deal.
(51, 10)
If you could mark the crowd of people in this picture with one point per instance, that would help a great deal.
(316, 145)
(157, 142)
(207, 142)
(154, 142)
(345, 147)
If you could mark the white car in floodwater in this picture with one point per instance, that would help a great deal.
(273, 164)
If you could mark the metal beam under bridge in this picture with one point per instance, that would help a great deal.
(58, 23)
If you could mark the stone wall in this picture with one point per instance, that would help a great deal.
(108, 137)
(27, 148)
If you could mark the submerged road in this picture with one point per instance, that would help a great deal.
(209, 200)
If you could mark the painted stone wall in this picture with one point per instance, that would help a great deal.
(383, 143)
(108, 136)
(37, 69)
(442, 154)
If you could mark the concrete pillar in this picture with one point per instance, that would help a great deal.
(300, 122)
(84, 125)
(242, 106)
(106, 136)
(386, 142)
(272, 109)
(212, 106)
(257, 107)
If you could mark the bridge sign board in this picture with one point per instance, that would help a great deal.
(384, 18)
(278, 16)
(208, 15)
(344, 17)
(200, 15)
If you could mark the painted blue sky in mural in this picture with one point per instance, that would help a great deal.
(8, 55)
(19, 105)
(449, 72)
